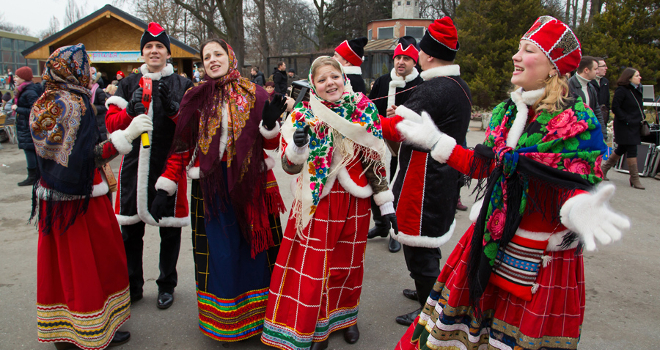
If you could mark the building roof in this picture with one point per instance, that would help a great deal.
(10, 35)
(382, 45)
(104, 14)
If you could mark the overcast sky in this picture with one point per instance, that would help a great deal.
(35, 14)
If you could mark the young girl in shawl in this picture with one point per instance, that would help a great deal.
(82, 280)
(235, 200)
(335, 143)
(516, 278)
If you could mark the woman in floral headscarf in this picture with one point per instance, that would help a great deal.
(224, 126)
(82, 281)
(516, 278)
(335, 143)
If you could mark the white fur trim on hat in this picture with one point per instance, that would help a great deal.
(166, 184)
(119, 140)
(443, 148)
(269, 134)
(117, 101)
(352, 70)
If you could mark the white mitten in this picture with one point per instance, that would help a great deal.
(140, 124)
(425, 135)
(590, 216)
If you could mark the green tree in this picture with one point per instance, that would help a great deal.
(489, 32)
(628, 33)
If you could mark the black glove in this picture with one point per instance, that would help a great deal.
(139, 108)
(300, 137)
(170, 106)
(159, 205)
(135, 99)
(391, 218)
(273, 111)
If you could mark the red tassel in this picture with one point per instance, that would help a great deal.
(262, 239)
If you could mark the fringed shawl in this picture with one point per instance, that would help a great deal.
(350, 126)
(199, 129)
(557, 153)
(64, 132)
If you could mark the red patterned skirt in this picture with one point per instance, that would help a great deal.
(552, 319)
(82, 280)
(316, 284)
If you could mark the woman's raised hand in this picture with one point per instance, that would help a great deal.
(272, 111)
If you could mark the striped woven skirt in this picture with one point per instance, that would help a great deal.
(232, 288)
(82, 280)
(316, 283)
(551, 320)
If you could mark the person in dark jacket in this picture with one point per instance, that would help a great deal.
(291, 77)
(257, 76)
(27, 93)
(628, 118)
(98, 100)
(426, 192)
(394, 89)
(279, 78)
(602, 86)
(580, 86)
(350, 54)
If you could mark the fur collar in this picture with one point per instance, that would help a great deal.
(167, 71)
(442, 71)
(398, 82)
(522, 99)
(352, 70)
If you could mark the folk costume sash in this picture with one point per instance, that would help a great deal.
(199, 130)
(558, 153)
(349, 127)
(64, 132)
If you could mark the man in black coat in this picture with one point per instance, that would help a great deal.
(280, 78)
(257, 76)
(580, 85)
(390, 90)
(602, 86)
(425, 191)
(350, 54)
(27, 94)
(141, 167)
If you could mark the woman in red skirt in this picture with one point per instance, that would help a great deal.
(335, 142)
(516, 278)
(82, 280)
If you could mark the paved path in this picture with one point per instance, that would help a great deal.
(622, 279)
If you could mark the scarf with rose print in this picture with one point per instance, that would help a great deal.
(558, 153)
(364, 136)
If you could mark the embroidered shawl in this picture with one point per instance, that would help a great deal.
(556, 152)
(350, 126)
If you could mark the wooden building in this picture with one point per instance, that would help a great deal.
(112, 39)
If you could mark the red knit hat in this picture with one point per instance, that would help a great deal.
(407, 46)
(24, 73)
(155, 32)
(441, 39)
(557, 41)
(121, 73)
(352, 50)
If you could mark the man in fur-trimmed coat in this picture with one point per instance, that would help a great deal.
(389, 90)
(426, 192)
(141, 168)
(350, 54)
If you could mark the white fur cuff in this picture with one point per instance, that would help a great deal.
(117, 101)
(383, 197)
(295, 154)
(387, 208)
(269, 134)
(443, 148)
(408, 114)
(119, 140)
(166, 184)
(565, 218)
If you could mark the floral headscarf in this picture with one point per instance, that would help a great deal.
(350, 126)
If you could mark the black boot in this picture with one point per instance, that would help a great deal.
(394, 245)
(408, 318)
(322, 345)
(31, 178)
(120, 338)
(424, 288)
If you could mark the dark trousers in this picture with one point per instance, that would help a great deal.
(424, 267)
(629, 150)
(170, 243)
(31, 158)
